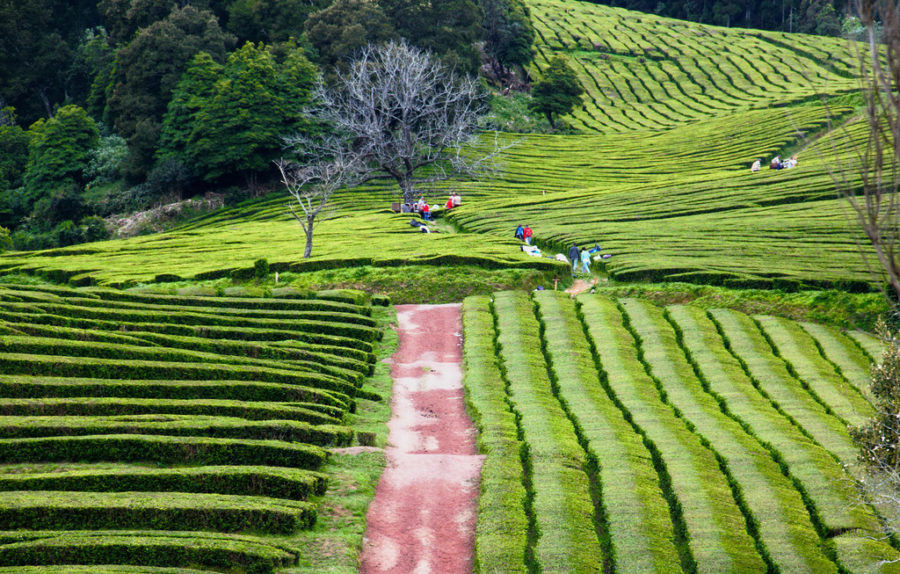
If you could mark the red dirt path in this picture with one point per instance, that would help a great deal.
(423, 517)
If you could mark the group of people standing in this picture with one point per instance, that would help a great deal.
(776, 163)
(524, 234)
(421, 206)
(583, 255)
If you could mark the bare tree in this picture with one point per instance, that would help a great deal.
(407, 118)
(872, 185)
(312, 185)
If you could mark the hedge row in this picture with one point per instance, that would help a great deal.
(777, 516)
(101, 350)
(185, 318)
(817, 375)
(774, 379)
(275, 482)
(319, 388)
(501, 535)
(117, 407)
(99, 569)
(710, 530)
(816, 472)
(177, 425)
(635, 522)
(61, 510)
(562, 504)
(310, 354)
(330, 315)
(849, 360)
(23, 387)
(150, 548)
(275, 303)
(161, 450)
(206, 331)
(36, 330)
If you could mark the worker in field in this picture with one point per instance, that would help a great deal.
(574, 256)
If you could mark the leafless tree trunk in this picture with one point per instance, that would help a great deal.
(872, 186)
(405, 117)
(311, 187)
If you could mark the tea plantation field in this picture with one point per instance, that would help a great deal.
(172, 432)
(621, 436)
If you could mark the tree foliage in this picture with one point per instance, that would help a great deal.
(448, 29)
(399, 114)
(59, 149)
(508, 34)
(343, 29)
(270, 21)
(231, 119)
(149, 68)
(558, 92)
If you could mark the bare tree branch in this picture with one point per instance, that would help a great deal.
(406, 117)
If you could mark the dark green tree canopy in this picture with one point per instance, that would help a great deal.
(557, 92)
(149, 68)
(341, 30)
(508, 34)
(448, 29)
(59, 149)
(231, 119)
(270, 20)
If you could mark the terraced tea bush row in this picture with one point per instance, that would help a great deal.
(699, 444)
(154, 548)
(177, 425)
(502, 529)
(276, 482)
(562, 512)
(635, 524)
(171, 510)
(109, 425)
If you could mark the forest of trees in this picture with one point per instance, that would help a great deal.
(111, 106)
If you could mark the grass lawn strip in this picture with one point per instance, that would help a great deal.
(849, 360)
(99, 569)
(818, 376)
(636, 527)
(562, 504)
(774, 510)
(501, 534)
(771, 376)
(701, 502)
(828, 490)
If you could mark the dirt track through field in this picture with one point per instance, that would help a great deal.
(422, 520)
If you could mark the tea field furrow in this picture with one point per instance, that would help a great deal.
(706, 517)
(774, 510)
(827, 491)
(502, 529)
(771, 377)
(851, 362)
(635, 518)
(871, 345)
(799, 352)
(562, 504)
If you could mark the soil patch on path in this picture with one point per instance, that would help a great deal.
(423, 517)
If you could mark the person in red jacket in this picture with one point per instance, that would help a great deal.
(526, 234)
